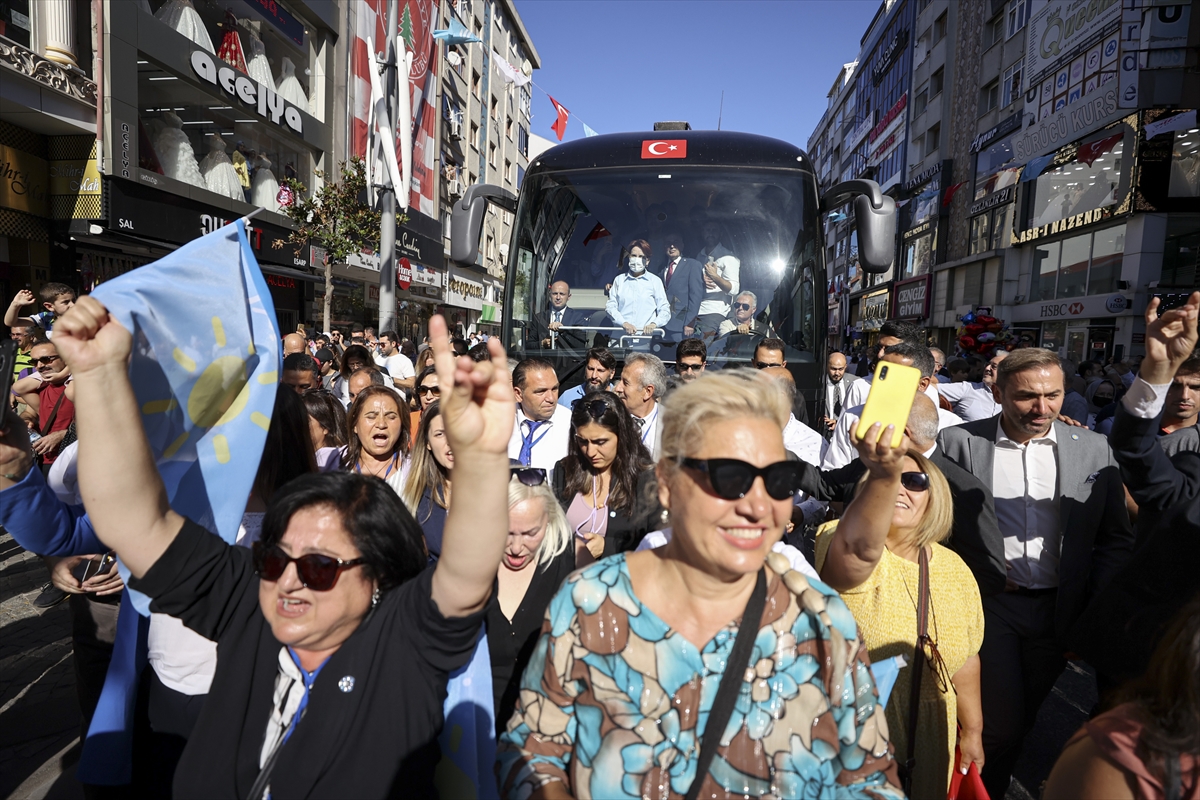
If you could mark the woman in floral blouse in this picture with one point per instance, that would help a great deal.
(616, 697)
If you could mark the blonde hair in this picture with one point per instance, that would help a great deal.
(716, 396)
(558, 532)
(938, 520)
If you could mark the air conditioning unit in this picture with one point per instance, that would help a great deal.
(455, 188)
(456, 129)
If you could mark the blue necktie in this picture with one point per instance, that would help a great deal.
(527, 442)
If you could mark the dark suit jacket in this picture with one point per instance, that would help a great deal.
(1120, 629)
(1096, 536)
(684, 293)
(975, 536)
(626, 527)
(539, 329)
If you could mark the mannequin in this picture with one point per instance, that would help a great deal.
(231, 51)
(258, 67)
(289, 86)
(265, 187)
(175, 152)
(219, 174)
(182, 17)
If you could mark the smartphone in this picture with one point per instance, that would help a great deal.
(893, 390)
(8, 360)
(91, 569)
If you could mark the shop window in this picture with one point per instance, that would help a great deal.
(15, 21)
(936, 79)
(1045, 271)
(1002, 225)
(1108, 249)
(989, 97)
(991, 171)
(1018, 15)
(918, 255)
(1054, 335)
(1010, 90)
(939, 28)
(1185, 165)
(933, 139)
(1089, 264)
(1181, 251)
(1091, 181)
(980, 238)
(1073, 266)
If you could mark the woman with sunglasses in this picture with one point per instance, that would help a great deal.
(379, 436)
(427, 488)
(425, 393)
(327, 424)
(605, 481)
(335, 642)
(625, 693)
(874, 557)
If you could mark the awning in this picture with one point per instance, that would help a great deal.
(288, 272)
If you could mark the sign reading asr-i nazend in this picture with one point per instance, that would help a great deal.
(1059, 226)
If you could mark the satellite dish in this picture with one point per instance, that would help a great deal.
(453, 58)
(526, 68)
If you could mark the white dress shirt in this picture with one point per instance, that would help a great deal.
(1143, 400)
(803, 441)
(715, 300)
(550, 439)
(841, 449)
(651, 433)
(1025, 487)
(856, 394)
(971, 401)
(834, 391)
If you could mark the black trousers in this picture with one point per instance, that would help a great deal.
(1020, 660)
(164, 720)
(93, 631)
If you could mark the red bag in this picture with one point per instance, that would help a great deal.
(966, 787)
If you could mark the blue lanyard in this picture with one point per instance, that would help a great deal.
(647, 423)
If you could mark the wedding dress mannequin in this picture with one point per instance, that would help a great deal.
(231, 51)
(175, 152)
(219, 174)
(182, 17)
(289, 86)
(264, 188)
(258, 67)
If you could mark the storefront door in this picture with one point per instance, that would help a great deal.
(1076, 342)
(1100, 341)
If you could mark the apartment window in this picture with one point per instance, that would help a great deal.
(492, 109)
(921, 51)
(508, 171)
(918, 146)
(1011, 89)
(989, 97)
(922, 102)
(993, 31)
(924, 5)
(492, 153)
(1018, 15)
(491, 247)
(935, 82)
(508, 126)
(475, 83)
(939, 28)
(950, 304)
(933, 138)
(474, 136)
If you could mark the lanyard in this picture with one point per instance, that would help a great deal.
(395, 457)
(649, 421)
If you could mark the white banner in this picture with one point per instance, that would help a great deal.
(1061, 27)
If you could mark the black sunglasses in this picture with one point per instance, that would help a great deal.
(915, 481)
(689, 367)
(436, 391)
(743, 306)
(317, 572)
(530, 476)
(594, 408)
(764, 365)
(37, 362)
(731, 478)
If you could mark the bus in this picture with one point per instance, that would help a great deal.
(584, 202)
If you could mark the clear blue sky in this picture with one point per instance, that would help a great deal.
(622, 65)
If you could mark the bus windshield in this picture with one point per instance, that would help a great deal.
(758, 227)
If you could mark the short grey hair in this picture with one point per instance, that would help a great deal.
(654, 372)
(753, 297)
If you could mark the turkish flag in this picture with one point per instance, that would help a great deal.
(1093, 150)
(664, 148)
(560, 124)
(598, 232)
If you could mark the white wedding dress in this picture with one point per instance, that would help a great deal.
(182, 17)
(264, 188)
(260, 68)
(175, 153)
(218, 171)
(289, 86)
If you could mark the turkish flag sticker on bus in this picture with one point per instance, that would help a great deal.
(664, 148)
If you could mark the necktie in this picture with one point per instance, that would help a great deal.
(640, 423)
(670, 272)
(837, 398)
(558, 316)
(527, 441)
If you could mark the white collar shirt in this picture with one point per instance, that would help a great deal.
(651, 431)
(841, 450)
(971, 401)
(1026, 492)
(550, 439)
(857, 391)
(835, 392)
(803, 441)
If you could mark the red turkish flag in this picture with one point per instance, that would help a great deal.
(560, 124)
(664, 148)
(1093, 150)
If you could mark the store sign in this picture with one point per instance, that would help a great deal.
(913, 233)
(994, 199)
(887, 145)
(1001, 128)
(1061, 29)
(912, 298)
(889, 56)
(1067, 124)
(463, 292)
(1101, 305)
(419, 248)
(404, 273)
(280, 18)
(1064, 225)
(75, 177)
(280, 281)
(923, 177)
(874, 306)
(264, 101)
(887, 119)
(424, 276)
(23, 182)
(856, 135)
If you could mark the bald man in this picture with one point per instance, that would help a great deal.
(546, 329)
(294, 343)
(835, 390)
(797, 437)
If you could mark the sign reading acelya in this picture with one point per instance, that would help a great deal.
(267, 103)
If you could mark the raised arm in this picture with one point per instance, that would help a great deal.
(12, 315)
(477, 405)
(862, 533)
(120, 484)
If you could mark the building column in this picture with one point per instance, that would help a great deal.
(56, 23)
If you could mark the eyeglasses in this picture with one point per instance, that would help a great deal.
(731, 478)
(690, 367)
(530, 476)
(915, 481)
(37, 362)
(764, 365)
(594, 408)
(317, 572)
(742, 306)
(436, 391)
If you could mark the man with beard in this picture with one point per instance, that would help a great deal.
(598, 374)
(1179, 431)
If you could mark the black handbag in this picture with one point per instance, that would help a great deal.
(918, 667)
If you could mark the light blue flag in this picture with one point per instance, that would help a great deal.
(457, 33)
(588, 131)
(468, 738)
(1036, 166)
(205, 366)
(884, 674)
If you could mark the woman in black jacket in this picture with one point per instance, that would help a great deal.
(606, 481)
(335, 643)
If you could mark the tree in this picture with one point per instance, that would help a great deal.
(406, 28)
(337, 217)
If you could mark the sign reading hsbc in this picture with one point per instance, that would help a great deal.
(1101, 305)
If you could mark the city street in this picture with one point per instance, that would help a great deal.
(39, 716)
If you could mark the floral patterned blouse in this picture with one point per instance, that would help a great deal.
(614, 701)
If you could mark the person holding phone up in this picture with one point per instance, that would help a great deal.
(721, 281)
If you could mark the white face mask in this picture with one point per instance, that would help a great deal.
(637, 264)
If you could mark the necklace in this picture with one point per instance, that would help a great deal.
(384, 476)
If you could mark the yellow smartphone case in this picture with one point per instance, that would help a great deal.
(893, 390)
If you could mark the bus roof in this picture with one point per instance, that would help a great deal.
(702, 148)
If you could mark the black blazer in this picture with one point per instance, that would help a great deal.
(1118, 632)
(539, 329)
(626, 527)
(684, 293)
(975, 536)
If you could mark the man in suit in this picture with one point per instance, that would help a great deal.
(1121, 628)
(546, 330)
(683, 278)
(835, 390)
(1060, 505)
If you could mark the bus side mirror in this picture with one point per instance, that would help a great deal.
(875, 218)
(466, 219)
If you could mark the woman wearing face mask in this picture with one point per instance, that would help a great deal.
(1099, 394)
(379, 436)
(537, 559)
(605, 480)
(427, 488)
(637, 300)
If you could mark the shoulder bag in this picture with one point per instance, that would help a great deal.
(918, 668)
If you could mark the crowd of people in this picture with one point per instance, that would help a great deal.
(688, 579)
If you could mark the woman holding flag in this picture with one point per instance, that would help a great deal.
(332, 616)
